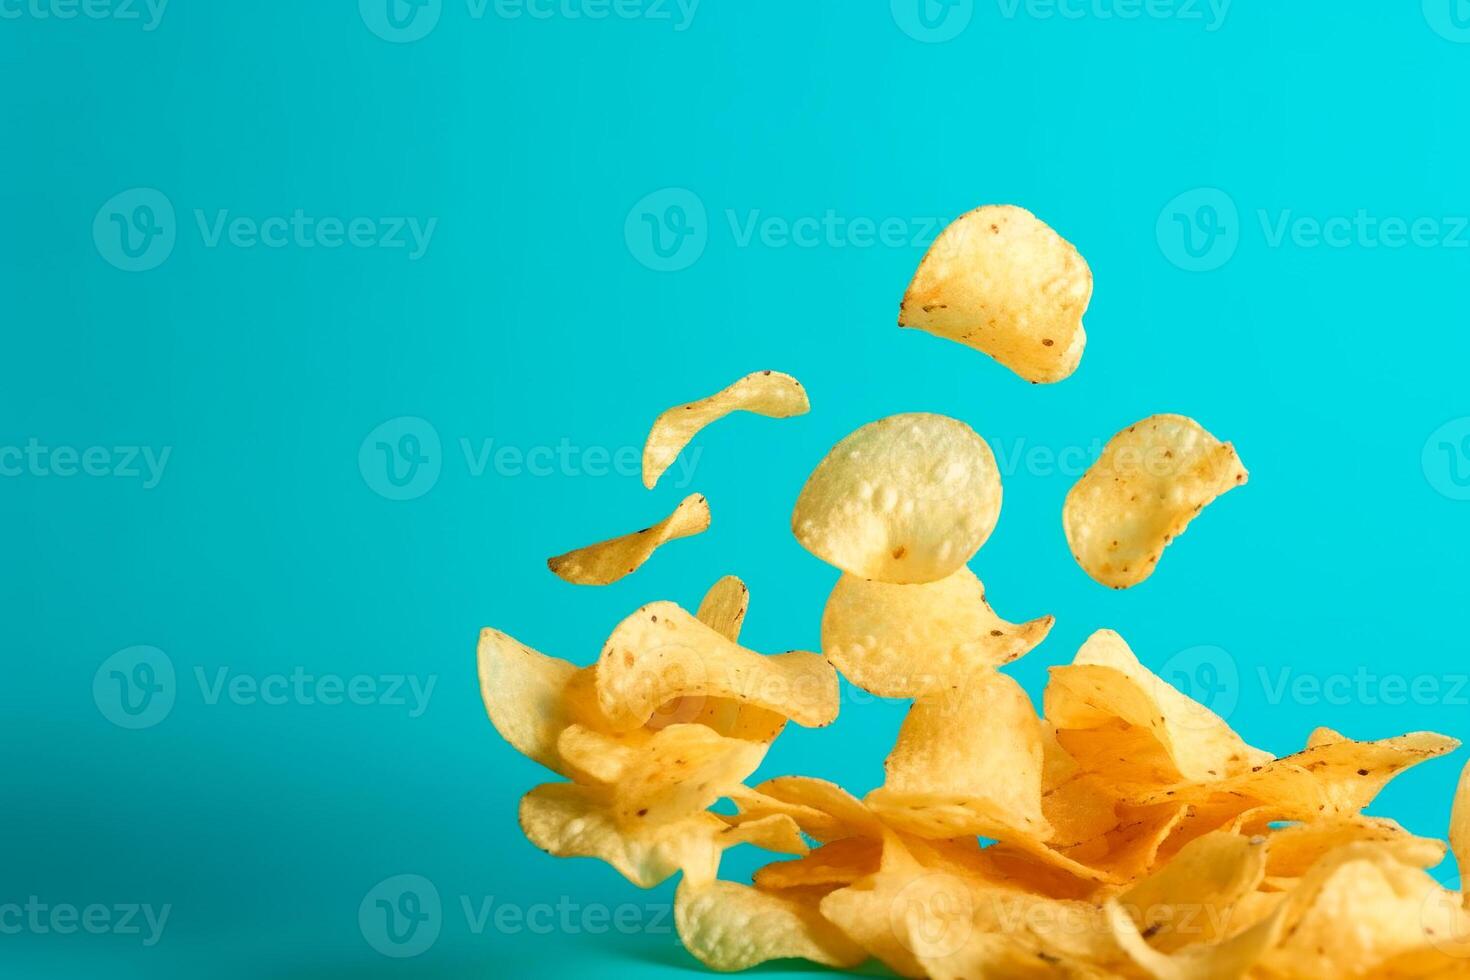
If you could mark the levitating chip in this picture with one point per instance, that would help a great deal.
(661, 652)
(607, 561)
(900, 641)
(1149, 483)
(906, 499)
(1000, 281)
(767, 393)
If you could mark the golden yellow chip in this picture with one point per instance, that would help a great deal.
(906, 499)
(1149, 483)
(839, 863)
(723, 610)
(967, 762)
(732, 927)
(767, 393)
(1330, 779)
(607, 561)
(908, 640)
(1191, 899)
(1229, 960)
(661, 652)
(1000, 281)
(1460, 826)
(823, 809)
(525, 695)
(1107, 683)
(682, 770)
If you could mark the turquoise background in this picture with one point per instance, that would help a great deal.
(271, 543)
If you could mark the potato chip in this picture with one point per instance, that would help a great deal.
(839, 863)
(1229, 960)
(907, 499)
(1151, 480)
(1359, 908)
(730, 927)
(1331, 779)
(723, 610)
(568, 820)
(661, 652)
(900, 641)
(1106, 683)
(1192, 898)
(682, 770)
(607, 561)
(601, 756)
(1296, 848)
(967, 762)
(773, 832)
(1460, 826)
(525, 696)
(1000, 281)
(767, 393)
(824, 810)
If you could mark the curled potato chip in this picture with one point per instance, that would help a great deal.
(723, 610)
(823, 809)
(1149, 483)
(1000, 281)
(767, 393)
(1106, 683)
(681, 770)
(908, 640)
(602, 756)
(732, 927)
(528, 695)
(1460, 825)
(1294, 849)
(839, 863)
(906, 499)
(661, 652)
(1229, 960)
(967, 762)
(568, 820)
(1331, 779)
(1192, 898)
(607, 561)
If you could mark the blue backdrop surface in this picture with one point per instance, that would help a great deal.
(328, 322)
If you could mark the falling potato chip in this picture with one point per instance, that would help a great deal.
(603, 756)
(682, 770)
(1149, 483)
(526, 695)
(1331, 779)
(767, 393)
(967, 762)
(1460, 824)
(908, 640)
(723, 610)
(823, 809)
(568, 820)
(607, 561)
(732, 927)
(839, 863)
(906, 499)
(661, 652)
(1106, 682)
(1000, 281)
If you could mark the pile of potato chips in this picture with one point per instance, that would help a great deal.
(1127, 832)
